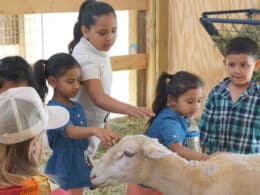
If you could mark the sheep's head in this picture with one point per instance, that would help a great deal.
(126, 161)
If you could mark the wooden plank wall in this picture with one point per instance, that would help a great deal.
(190, 47)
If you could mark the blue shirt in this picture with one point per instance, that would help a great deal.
(231, 126)
(168, 127)
(67, 163)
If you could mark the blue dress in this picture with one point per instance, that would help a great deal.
(168, 127)
(67, 163)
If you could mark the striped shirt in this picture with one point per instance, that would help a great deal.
(231, 126)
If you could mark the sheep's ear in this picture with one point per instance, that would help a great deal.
(155, 151)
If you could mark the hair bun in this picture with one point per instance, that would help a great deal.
(90, 1)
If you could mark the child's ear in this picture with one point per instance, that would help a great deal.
(36, 147)
(84, 31)
(52, 81)
(224, 61)
(257, 65)
(170, 101)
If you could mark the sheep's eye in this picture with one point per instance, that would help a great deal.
(126, 154)
(129, 154)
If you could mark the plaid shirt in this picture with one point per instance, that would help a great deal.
(231, 126)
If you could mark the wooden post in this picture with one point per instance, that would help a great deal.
(156, 45)
(141, 47)
(133, 50)
(162, 36)
(21, 35)
(151, 51)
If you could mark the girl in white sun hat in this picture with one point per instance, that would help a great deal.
(23, 120)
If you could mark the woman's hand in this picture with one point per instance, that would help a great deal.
(139, 112)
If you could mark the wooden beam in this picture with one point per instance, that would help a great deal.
(129, 62)
(162, 36)
(132, 39)
(11, 7)
(151, 52)
(128, 4)
(141, 75)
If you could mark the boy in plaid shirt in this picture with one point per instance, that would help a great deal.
(231, 118)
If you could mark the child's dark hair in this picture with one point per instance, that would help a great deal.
(174, 85)
(16, 69)
(242, 45)
(88, 13)
(55, 66)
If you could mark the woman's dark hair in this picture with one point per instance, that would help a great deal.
(55, 66)
(16, 69)
(88, 13)
(242, 45)
(174, 85)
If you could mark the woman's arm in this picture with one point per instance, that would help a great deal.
(106, 102)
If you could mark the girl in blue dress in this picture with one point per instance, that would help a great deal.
(68, 143)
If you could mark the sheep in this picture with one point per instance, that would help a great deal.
(143, 160)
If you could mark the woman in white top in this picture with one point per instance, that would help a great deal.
(94, 34)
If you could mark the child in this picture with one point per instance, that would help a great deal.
(67, 163)
(94, 34)
(178, 98)
(23, 120)
(15, 72)
(231, 118)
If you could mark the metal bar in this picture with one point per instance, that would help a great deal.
(209, 27)
(251, 11)
(230, 21)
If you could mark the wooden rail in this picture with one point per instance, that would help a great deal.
(11, 7)
(129, 62)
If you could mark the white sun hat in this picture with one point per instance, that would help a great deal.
(23, 115)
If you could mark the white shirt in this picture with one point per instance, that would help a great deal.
(95, 64)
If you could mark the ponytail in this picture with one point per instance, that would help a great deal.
(88, 2)
(77, 34)
(161, 92)
(41, 74)
(160, 100)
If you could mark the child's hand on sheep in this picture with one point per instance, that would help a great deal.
(107, 136)
(107, 127)
(218, 153)
(114, 139)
